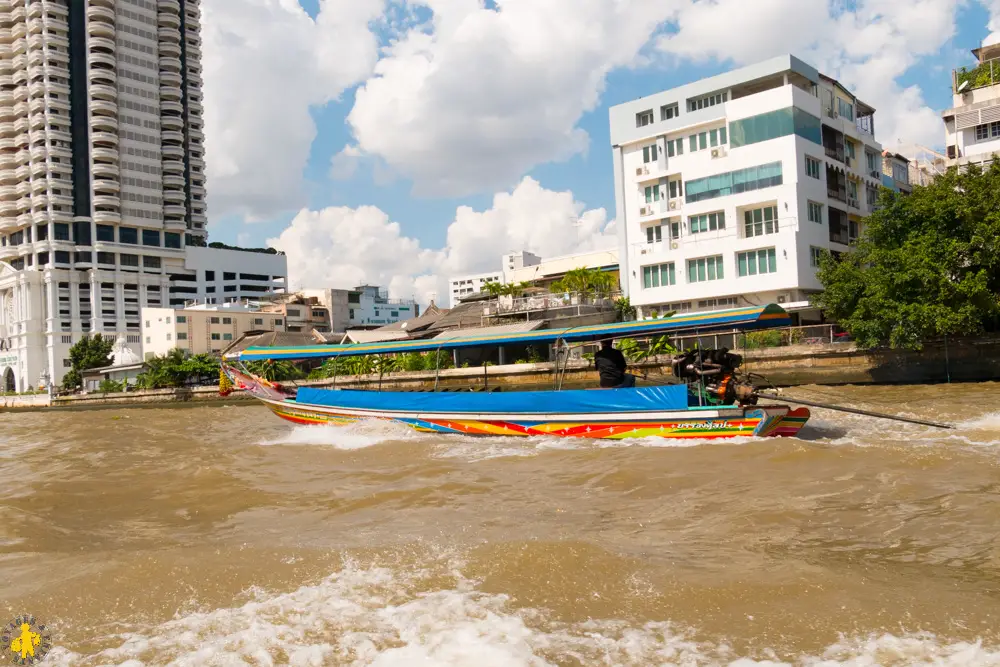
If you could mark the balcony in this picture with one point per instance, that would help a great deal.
(983, 75)
(840, 194)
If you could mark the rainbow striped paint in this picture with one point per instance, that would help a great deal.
(767, 421)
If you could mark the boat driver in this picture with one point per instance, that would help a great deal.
(611, 365)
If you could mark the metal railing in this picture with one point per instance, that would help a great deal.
(542, 302)
(983, 75)
(814, 334)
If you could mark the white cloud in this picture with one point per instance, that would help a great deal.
(868, 48)
(265, 63)
(479, 97)
(994, 25)
(343, 247)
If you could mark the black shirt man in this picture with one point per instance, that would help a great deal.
(611, 365)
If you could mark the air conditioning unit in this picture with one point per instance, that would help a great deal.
(639, 171)
(718, 152)
(853, 202)
(672, 206)
(645, 210)
(781, 298)
(643, 251)
(674, 245)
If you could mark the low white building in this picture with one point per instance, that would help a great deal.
(972, 125)
(227, 275)
(364, 307)
(729, 189)
(523, 266)
(203, 328)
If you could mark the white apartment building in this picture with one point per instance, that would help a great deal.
(471, 284)
(228, 275)
(972, 125)
(728, 189)
(101, 171)
(364, 307)
(202, 329)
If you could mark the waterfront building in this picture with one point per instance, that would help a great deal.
(302, 313)
(101, 171)
(228, 275)
(463, 286)
(364, 307)
(729, 189)
(972, 125)
(523, 266)
(202, 328)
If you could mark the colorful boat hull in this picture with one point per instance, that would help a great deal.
(600, 414)
(769, 421)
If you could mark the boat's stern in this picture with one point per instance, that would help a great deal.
(779, 420)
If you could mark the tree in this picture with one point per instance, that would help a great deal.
(587, 282)
(624, 310)
(927, 264)
(175, 369)
(88, 352)
(275, 370)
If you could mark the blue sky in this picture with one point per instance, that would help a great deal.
(587, 174)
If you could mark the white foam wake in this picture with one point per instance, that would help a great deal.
(375, 617)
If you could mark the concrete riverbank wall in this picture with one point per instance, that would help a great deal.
(961, 360)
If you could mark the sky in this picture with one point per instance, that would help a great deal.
(402, 142)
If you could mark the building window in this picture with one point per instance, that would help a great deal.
(870, 159)
(760, 221)
(815, 254)
(128, 235)
(706, 101)
(654, 234)
(812, 167)
(668, 111)
(216, 336)
(815, 212)
(845, 109)
(181, 335)
(182, 319)
(705, 268)
(652, 193)
(67, 340)
(644, 118)
(658, 275)
(708, 222)
(227, 336)
(648, 155)
(213, 320)
(227, 320)
(171, 240)
(756, 261)
(277, 322)
(151, 262)
(258, 321)
(226, 275)
(148, 340)
(733, 182)
(775, 124)
(106, 233)
(129, 260)
(168, 336)
(675, 147)
(872, 195)
(61, 231)
(106, 258)
(210, 275)
(62, 257)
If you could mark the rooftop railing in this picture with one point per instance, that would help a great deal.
(983, 75)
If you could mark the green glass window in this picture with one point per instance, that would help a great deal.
(742, 180)
(705, 268)
(774, 124)
(702, 140)
(760, 221)
(693, 140)
(658, 275)
(707, 222)
(756, 262)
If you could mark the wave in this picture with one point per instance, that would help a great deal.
(376, 617)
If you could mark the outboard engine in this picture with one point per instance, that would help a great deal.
(713, 375)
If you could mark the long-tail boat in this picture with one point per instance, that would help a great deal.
(712, 397)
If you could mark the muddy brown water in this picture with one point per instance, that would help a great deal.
(223, 536)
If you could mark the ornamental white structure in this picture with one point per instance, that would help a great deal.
(972, 125)
(101, 170)
(728, 189)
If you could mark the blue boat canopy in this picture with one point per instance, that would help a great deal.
(756, 317)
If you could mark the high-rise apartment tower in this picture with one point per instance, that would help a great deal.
(101, 171)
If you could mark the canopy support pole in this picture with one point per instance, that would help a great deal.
(437, 367)
(335, 360)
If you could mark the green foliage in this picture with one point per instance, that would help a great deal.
(176, 369)
(926, 265)
(756, 340)
(496, 289)
(624, 310)
(635, 351)
(88, 352)
(110, 387)
(384, 363)
(589, 282)
(979, 76)
(274, 370)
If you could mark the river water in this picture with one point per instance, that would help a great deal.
(224, 536)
